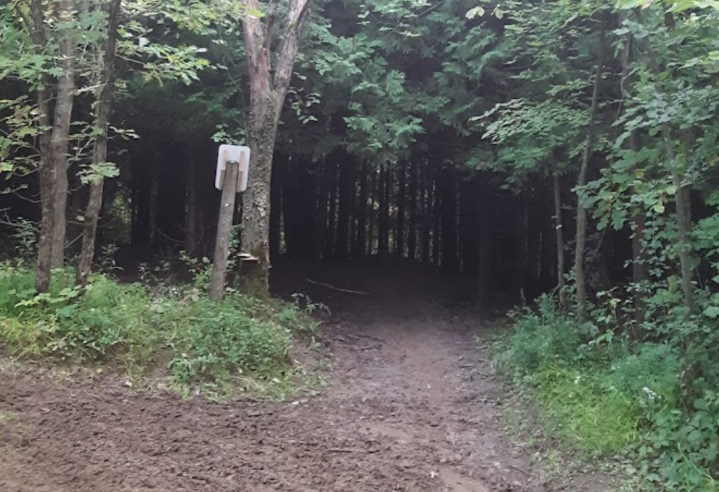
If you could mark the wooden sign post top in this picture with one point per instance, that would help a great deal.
(233, 153)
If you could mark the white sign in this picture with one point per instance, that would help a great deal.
(233, 153)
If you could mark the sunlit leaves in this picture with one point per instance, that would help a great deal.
(95, 173)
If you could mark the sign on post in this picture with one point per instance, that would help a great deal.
(233, 153)
(233, 166)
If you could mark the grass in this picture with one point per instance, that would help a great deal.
(587, 411)
(614, 402)
(240, 344)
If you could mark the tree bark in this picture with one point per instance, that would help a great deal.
(276, 210)
(372, 221)
(384, 192)
(62, 120)
(426, 200)
(469, 213)
(268, 89)
(36, 25)
(361, 238)
(559, 235)
(322, 211)
(193, 212)
(437, 218)
(581, 238)
(154, 199)
(412, 230)
(332, 222)
(485, 253)
(102, 121)
(344, 213)
(401, 200)
(450, 259)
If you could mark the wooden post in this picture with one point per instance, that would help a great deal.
(224, 228)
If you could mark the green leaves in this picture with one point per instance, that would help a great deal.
(475, 12)
(95, 173)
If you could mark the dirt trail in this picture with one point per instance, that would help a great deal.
(411, 406)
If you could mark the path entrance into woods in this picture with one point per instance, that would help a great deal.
(411, 405)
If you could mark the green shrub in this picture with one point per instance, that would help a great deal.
(605, 395)
(653, 370)
(201, 342)
(212, 342)
(542, 337)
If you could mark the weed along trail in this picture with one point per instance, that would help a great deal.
(410, 405)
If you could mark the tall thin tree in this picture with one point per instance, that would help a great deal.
(103, 109)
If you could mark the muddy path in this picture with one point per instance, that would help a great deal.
(411, 405)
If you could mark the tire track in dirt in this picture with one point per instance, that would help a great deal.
(409, 408)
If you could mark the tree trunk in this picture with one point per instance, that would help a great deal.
(437, 218)
(448, 190)
(344, 213)
(580, 251)
(322, 211)
(47, 196)
(256, 201)
(154, 199)
(61, 127)
(426, 201)
(469, 213)
(401, 200)
(372, 221)
(361, 239)
(682, 201)
(484, 252)
(268, 90)
(684, 226)
(102, 121)
(640, 270)
(276, 210)
(192, 210)
(332, 222)
(412, 231)
(383, 236)
(59, 222)
(559, 235)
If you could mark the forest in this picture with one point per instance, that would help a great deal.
(553, 161)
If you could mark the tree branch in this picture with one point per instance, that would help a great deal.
(269, 24)
(289, 43)
(253, 34)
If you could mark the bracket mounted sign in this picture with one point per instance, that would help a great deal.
(233, 153)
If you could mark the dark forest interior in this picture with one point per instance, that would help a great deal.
(552, 160)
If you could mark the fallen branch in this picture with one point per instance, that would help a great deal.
(332, 287)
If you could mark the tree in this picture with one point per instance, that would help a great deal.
(269, 83)
(54, 129)
(580, 250)
(103, 107)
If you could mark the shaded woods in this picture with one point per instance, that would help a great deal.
(560, 152)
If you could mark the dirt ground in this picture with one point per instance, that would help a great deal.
(411, 405)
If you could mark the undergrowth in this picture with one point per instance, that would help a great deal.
(240, 343)
(650, 404)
